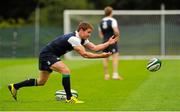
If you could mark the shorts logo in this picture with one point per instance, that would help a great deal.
(113, 50)
(48, 62)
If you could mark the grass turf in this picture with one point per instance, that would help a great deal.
(140, 90)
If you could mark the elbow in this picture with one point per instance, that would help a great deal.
(96, 50)
(116, 34)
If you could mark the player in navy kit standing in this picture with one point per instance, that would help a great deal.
(49, 59)
(109, 27)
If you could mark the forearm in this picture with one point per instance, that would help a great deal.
(101, 46)
(93, 55)
(85, 54)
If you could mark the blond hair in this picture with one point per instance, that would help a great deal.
(108, 10)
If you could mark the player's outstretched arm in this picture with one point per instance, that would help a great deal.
(81, 50)
(99, 47)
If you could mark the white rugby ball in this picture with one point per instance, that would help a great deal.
(154, 64)
(60, 95)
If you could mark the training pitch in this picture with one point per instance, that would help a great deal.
(140, 89)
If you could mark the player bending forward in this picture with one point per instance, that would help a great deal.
(49, 59)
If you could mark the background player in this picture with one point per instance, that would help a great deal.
(109, 27)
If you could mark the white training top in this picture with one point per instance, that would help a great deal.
(76, 40)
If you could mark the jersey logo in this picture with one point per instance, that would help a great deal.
(113, 50)
(48, 62)
(104, 25)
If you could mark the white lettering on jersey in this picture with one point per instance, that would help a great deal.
(104, 25)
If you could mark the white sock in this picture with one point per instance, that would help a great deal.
(115, 75)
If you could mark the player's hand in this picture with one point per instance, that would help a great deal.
(106, 54)
(112, 40)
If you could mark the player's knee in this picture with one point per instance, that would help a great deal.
(65, 71)
(41, 82)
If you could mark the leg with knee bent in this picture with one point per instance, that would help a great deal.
(60, 67)
(64, 70)
(28, 83)
(43, 77)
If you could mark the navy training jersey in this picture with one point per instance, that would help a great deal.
(106, 27)
(63, 44)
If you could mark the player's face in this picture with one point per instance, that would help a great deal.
(85, 34)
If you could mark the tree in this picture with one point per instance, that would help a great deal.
(16, 9)
(51, 11)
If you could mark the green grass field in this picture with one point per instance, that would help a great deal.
(140, 90)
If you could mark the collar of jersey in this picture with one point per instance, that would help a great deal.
(77, 34)
(106, 18)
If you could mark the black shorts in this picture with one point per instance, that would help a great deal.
(112, 48)
(46, 60)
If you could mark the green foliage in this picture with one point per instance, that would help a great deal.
(12, 23)
(5, 24)
(67, 4)
(51, 12)
(101, 4)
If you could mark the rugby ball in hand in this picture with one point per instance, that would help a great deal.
(60, 95)
(154, 64)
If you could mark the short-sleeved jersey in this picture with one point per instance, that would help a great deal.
(106, 27)
(63, 44)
